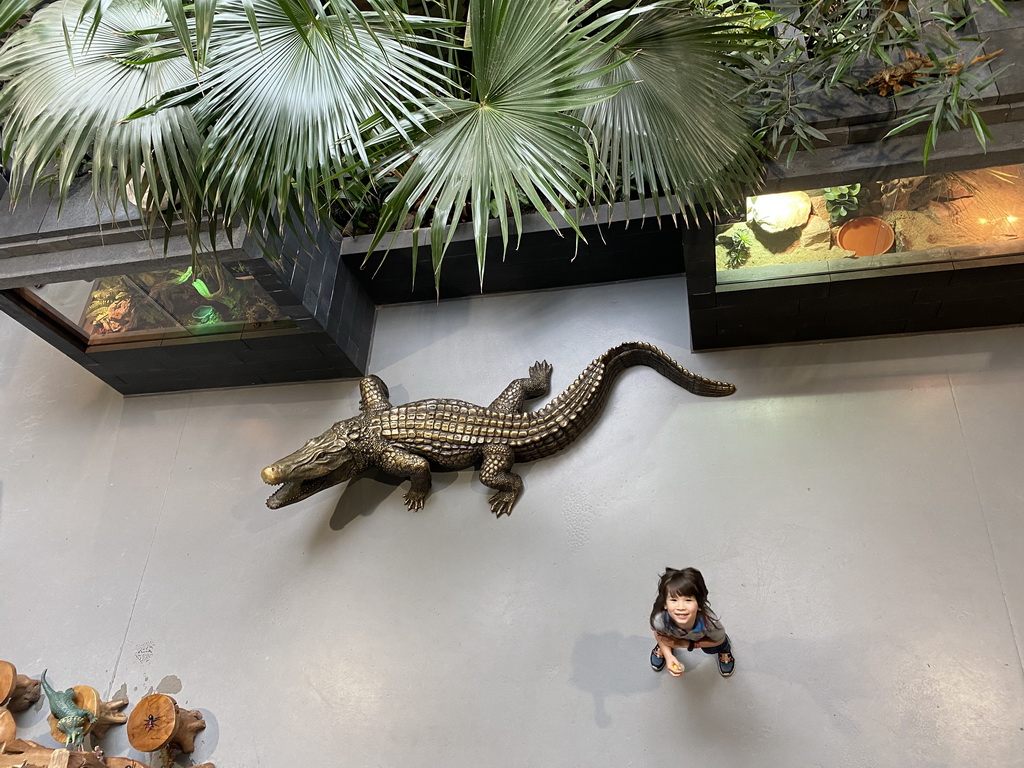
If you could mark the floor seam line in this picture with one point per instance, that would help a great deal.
(149, 555)
(988, 529)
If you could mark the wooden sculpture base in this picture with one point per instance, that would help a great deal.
(28, 754)
(19, 691)
(156, 722)
(123, 762)
(107, 713)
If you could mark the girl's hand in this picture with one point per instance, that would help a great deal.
(675, 667)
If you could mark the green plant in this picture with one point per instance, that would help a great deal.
(264, 111)
(738, 249)
(841, 201)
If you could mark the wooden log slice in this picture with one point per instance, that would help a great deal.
(8, 728)
(18, 691)
(7, 676)
(151, 723)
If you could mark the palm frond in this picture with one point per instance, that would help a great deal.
(11, 12)
(516, 134)
(677, 130)
(286, 110)
(65, 96)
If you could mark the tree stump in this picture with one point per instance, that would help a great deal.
(157, 722)
(64, 758)
(108, 713)
(124, 762)
(8, 728)
(21, 690)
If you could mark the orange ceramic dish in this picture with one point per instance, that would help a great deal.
(866, 236)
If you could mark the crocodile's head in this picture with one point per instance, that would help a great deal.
(327, 460)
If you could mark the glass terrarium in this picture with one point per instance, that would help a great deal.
(945, 216)
(160, 304)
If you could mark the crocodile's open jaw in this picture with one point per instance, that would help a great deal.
(297, 490)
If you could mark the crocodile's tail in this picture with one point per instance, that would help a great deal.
(632, 353)
(561, 421)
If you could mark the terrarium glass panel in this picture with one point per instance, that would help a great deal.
(943, 216)
(161, 304)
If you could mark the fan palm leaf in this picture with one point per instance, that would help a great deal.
(283, 103)
(11, 12)
(516, 134)
(678, 130)
(65, 94)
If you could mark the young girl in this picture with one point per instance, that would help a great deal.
(682, 618)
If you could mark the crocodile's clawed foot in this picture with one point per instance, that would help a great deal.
(541, 369)
(414, 500)
(501, 503)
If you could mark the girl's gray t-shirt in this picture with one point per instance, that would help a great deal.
(703, 629)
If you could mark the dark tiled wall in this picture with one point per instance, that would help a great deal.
(305, 275)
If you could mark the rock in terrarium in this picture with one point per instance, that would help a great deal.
(780, 212)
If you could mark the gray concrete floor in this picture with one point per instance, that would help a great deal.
(855, 508)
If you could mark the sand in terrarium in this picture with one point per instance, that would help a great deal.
(926, 212)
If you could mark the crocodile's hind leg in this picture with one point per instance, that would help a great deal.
(400, 463)
(494, 473)
(539, 382)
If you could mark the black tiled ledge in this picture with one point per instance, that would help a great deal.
(332, 315)
(649, 245)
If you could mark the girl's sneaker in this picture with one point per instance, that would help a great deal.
(726, 664)
(657, 660)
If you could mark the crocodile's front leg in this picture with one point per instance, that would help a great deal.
(401, 463)
(511, 400)
(494, 473)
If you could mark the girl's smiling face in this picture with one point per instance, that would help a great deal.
(682, 609)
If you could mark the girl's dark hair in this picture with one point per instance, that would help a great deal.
(687, 582)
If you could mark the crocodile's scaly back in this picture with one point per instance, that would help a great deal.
(569, 414)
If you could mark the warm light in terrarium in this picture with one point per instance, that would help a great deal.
(1011, 219)
(983, 221)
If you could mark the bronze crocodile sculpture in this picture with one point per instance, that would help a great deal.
(408, 440)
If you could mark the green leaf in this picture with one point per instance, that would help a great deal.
(981, 130)
(12, 10)
(908, 124)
